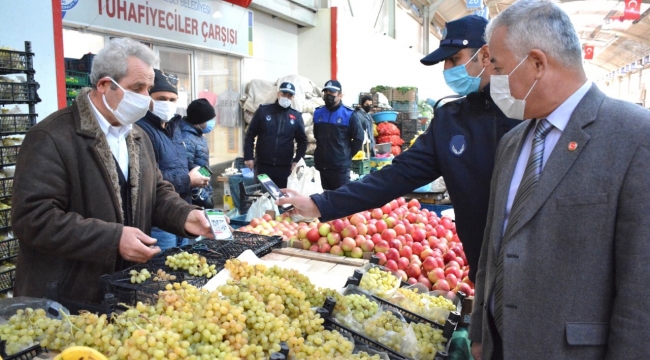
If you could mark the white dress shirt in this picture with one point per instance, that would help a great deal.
(558, 118)
(116, 137)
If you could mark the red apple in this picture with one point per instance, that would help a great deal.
(313, 235)
(402, 263)
(333, 238)
(356, 253)
(392, 254)
(388, 235)
(460, 261)
(453, 271)
(267, 217)
(414, 202)
(368, 246)
(391, 264)
(441, 263)
(336, 250)
(255, 222)
(464, 288)
(411, 217)
(399, 229)
(452, 280)
(357, 219)
(302, 232)
(350, 231)
(324, 229)
(359, 240)
(325, 248)
(382, 258)
(382, 246)
(395, 244)
(401, 274)
(452, 263)
(429, 264)
(424, 281)
(381, 226)
(449, 256)
(415, 259)
(321, 240)
(348, 244)
(412, 280)
(400, 201)
(425, 253)
(440, 231)
(386, 209)
(376, 238)
(436, 274)
(313, 248)
(362, 228)
(406, 251)
(377, 214)
(417, 248)
(413, 270)
(446, 222)
(418, 235)
(372, 229)
(441, 285)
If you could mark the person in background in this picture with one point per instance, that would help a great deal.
(339, 136)
(276, 126)
(162, 125)
(363, 115)
(563, 269)
(87, 189)
(459, 145)
(198, 122)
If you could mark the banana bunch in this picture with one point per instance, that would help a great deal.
(359, 155)
(80, 353)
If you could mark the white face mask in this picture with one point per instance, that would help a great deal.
(132, 108)
(284, 102)
(500, 92)
(165, 110)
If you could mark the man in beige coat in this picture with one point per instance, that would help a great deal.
(87, 189)
(563, 268)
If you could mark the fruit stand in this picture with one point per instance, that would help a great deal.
(247, 297)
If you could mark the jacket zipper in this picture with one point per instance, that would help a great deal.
(280, 127)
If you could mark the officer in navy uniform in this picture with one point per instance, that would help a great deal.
(459, 145)
(339, 136)
(276, 126)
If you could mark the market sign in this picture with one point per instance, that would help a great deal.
(214, 25)
(474, 4)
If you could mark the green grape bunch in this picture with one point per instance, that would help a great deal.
(194, 264)
(379, 282)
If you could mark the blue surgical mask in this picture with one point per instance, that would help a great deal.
(209, 126)
(460, 81)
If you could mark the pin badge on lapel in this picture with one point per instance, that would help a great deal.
(457, 145)
(573, 145)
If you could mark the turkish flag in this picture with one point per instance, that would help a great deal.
(589, 52)
(632, 10)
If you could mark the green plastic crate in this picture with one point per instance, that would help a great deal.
(361, 167)
(76, 78)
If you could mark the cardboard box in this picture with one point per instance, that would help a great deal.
(466, 312)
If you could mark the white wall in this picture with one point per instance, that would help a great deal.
(19, 25)
(275, 49)
(314, 55)
(407, 30)
(383, 61)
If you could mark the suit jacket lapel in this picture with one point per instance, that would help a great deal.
(506, 169)
(562, 159)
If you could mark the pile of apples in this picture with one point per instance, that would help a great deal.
(413, 242)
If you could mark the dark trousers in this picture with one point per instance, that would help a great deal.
(277, 173)
(332, 179)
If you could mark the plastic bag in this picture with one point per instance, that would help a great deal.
(354, 319)
(389, 328)
(293, 181)
(387, 128)
(9, 306)
(424, 303)
(429, 341)
(395, 140)
(378, 274)
(261, 206)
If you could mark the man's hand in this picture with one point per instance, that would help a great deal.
(250, 164)
(197, 224)
(477, 350)
(134, 245)
(293, 166)
(302, 205)
(198, 180)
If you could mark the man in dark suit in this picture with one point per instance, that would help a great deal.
(562, 272)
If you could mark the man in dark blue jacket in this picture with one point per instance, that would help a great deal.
(459, 145)
(162, 124)
(276, 126)
(199, 121)
(339, 136)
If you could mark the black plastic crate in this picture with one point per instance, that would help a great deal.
(8, 155)
(82, 65)
(18, 92)
(5, 218)
(12, 61)
(407, 136)
(6, 186)
(16, 123)
(7, 279)
(8, 249)
(408, 125)
(27, 354)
